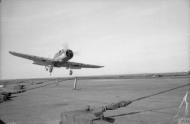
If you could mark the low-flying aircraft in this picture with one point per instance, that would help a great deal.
(60, 59)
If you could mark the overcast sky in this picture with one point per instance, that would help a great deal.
(125, 36)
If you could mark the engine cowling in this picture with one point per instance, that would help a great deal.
(69, 53)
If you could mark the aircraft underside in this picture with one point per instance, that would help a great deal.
(50, 69)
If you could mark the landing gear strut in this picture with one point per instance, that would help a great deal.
(49, 68)
(70, 72)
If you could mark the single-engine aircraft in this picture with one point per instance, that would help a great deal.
(60, 59)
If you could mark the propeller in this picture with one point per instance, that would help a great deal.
(65, 46)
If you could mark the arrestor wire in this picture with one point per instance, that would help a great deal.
(162, 92)
(98, 112)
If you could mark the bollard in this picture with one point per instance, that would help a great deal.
(75, 84)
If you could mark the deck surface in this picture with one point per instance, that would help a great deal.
(44, 105)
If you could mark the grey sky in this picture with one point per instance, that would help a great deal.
(126, 36)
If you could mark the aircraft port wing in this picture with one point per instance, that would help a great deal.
(76, 65)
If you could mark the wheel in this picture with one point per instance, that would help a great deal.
(46, 68)
(70, 72)
(5, 97)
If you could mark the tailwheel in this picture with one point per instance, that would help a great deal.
(70, 72)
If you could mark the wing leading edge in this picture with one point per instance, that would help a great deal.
(34, 58)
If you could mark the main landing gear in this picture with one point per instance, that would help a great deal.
(49, 68)
(70, 72)
(46, 68)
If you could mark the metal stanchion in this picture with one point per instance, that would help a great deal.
(75, 84)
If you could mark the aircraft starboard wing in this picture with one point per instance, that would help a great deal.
(34, 58)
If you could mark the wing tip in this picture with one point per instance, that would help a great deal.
(100, 66)
(11, 52)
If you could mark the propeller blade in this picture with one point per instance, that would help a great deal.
(76, 53)
(65, 46)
